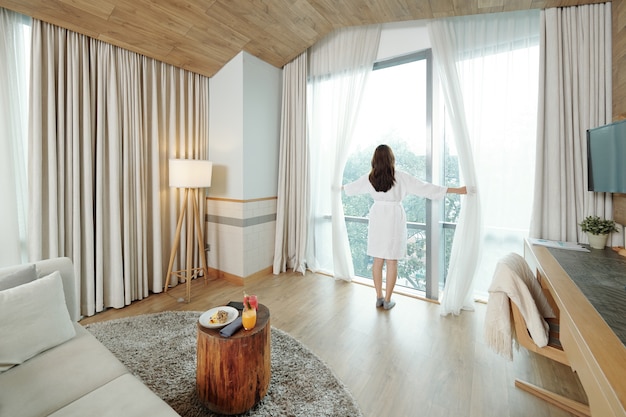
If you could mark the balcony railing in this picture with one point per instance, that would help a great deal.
(412, 273)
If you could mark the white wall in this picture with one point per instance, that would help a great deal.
(226, 130)
(244, 128)
(402, 38)
(261, 127)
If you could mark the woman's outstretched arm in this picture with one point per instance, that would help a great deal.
(457, 190)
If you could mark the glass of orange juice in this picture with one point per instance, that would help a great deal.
(248, 316)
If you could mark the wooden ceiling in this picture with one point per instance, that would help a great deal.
(203, 35)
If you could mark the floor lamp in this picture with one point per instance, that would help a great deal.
(189, 174)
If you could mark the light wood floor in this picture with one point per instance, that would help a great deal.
(409, 361)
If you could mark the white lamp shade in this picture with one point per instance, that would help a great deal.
(190, 173)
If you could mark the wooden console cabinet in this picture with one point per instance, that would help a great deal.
(592, 347)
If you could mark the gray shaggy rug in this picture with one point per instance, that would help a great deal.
(160, 349)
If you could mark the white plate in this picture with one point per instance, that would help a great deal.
(206, 317)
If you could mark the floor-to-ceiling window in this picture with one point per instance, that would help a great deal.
(398, 109)
(401, 108)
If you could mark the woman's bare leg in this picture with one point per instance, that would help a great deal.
(392, 275)
(377, 275)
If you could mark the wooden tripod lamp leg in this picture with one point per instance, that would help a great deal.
(193, 221)
(190, 223)
(200, 237)
(179, 225)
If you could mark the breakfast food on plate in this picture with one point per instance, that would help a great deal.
(219, 317)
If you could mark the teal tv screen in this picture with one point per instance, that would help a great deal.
(606, 158)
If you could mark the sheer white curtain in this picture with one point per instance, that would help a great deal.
(575, 88)
(14, 69)
(486, 65)
(339, 66)
(104, 122)
(293, 172)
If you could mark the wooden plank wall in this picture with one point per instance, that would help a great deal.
(619, 88)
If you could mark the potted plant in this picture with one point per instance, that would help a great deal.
(597, 230)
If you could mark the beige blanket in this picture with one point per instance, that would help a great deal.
(513, 280)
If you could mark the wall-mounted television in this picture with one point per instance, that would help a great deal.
(606, 158)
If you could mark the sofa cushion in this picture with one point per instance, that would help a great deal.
(71, 282)
(23, 275)
(34, 319)
(132, 399)
(57, 377)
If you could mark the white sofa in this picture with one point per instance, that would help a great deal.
(51, 365)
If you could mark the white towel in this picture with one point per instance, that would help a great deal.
(513, 280)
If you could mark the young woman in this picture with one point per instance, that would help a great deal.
(387, 233)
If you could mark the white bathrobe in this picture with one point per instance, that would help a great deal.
(387, 234)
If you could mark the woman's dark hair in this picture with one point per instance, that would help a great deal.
(382, 176)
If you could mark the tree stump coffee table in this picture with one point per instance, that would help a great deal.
(233, 374)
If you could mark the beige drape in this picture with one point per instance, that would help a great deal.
(293, 173)
(574, 95)
(104, 122)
